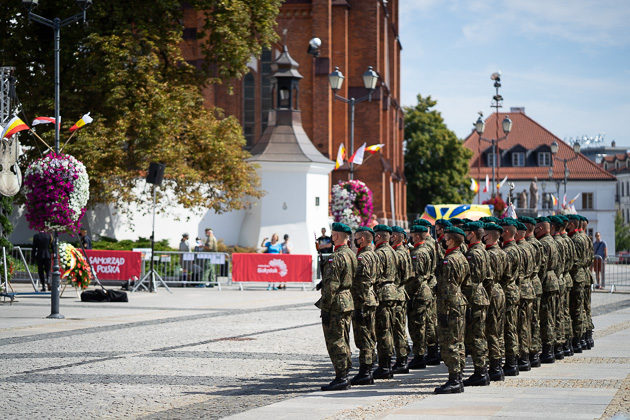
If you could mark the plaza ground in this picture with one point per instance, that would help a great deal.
(255, 354)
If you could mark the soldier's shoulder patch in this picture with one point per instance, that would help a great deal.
(445, 262)
(359, 258)
(414, 257)
(330, 260)
(469, 257)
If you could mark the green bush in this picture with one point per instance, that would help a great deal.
(127, 244)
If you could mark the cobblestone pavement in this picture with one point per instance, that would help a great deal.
(201, 353)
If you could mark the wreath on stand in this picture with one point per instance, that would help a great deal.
(74, 267)
(351, 203)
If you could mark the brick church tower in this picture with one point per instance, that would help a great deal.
(355, 34)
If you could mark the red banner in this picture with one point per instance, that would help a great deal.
(115, 265)
(272, 268)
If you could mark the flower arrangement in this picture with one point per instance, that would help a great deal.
(351, 203)
(74, 266)
(57, 191)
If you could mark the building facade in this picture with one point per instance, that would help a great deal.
(525, 156)
(619, 165)
(354, 34)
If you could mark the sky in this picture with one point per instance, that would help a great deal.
(566, 62)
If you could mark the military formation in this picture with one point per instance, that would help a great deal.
(511, 293)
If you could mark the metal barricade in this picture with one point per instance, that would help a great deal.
(615, 272)
(191, 268)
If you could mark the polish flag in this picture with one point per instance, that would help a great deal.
(486, 188)
(44, 120)
(357, 156)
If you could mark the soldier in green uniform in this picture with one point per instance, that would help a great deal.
(588, 261)
(478, 302)
(433, 349)
(452, 271)
(495, 320)
(388, 297)
(365, 303)
(579, 275)
(549, 300)
(526, 302)
(420, 296)
(336, 305)
(440, 246)
(536, 344)
(404, 274)
(556, 226)
(510, 284)
(569, 262)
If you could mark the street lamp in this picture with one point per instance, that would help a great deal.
(506, 124)
(370, 79)
(56, 24)
(554, 150)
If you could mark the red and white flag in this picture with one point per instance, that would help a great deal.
(357, 156)
(486, 187)
(510, 212)
(44, 120)
(564, 201)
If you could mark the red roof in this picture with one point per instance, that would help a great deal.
(530, 135)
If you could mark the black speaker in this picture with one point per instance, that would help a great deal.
(156, 173)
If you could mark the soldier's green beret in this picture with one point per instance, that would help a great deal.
(572, 217)
(467, 220)
(527, 219)
(421, 222)
(443, 222)
(456, 221)
(508, 221)
(563, 218)
(398, 229)
(555, 220)
(365, 229)
(520, 226)
(341, 227)
(542, 219)
(584, 219)
(472, 226)
(454, 229)
(490, 219)
(492, 226)
(419, 229)
(382, 228)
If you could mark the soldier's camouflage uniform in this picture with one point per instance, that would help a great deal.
(563, 252)
(588, 261)
(478, 302)
(451, 308)
(387, 295)
(536, 345)
(432, 339)
(579, 274)
(404, 275)
(420, 296)
(527, 296)
(549, 301)
(568, 286)
(495, 320)
(336, 305)
(365, 303)
(510, 286)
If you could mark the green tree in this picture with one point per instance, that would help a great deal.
(622, 234)
(436, 161)
(127, 68)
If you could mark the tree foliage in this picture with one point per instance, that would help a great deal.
(436, 161)
(127, 68)
(622, 234)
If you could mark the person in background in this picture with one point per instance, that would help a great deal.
(211, 245)
(86, 241)
(286, 249)
(324, 243)
(42, 256)
(600, 249)
(372, 222)
(271, 247)
(184, 247)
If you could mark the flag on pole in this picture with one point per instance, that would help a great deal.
(341, 156)
(564, 201)
(44, 120)
(574, 198)
(474, 185)
(14, 125)
(374, 148)
(357, 156)
(501, 183)
(554, 200)
(510, 212)
(486, 188)
(86, 119)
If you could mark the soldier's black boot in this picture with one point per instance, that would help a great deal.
(589, 339)
(584, 342)
(534, 359)
(523, 363)
(433, 356)
(364, 377)
(400, 366)
(577, 348)
(496, 371)
(340, 383)
(384, 370)
(510, 368)
(479, 378)
(559, 353)
(454, 385)
(568, 349)
(418, 362)
(547, 355)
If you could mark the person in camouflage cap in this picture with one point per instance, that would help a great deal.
(510, 284)
(404, 276)
(452, 271)
(388, 297)
(365, 303)
(495, 320)
(336, 305)
(478, 302)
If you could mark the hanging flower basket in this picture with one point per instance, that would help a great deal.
(74, 266)
(57, 191)
(351, 203)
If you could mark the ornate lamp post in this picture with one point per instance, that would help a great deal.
(506, 124)
(56, 24)
(370, 78)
